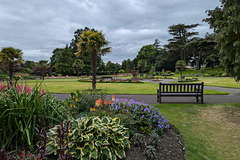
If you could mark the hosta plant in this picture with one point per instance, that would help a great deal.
(92, 138)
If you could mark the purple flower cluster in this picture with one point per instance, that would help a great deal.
(144, 111)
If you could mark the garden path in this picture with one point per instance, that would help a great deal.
(229, 90)
(233, 97)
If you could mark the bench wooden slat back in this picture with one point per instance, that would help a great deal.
(181, 87)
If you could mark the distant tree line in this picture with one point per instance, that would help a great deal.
(219, 49)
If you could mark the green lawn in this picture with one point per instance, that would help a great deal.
(211, 132)
(70, 85)
(220, 82)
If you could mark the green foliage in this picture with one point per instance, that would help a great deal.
(138, 140)
(82, 101)
(121, 71)
(92, 42)
(146, 56)
(154, 140)
(10, 56)
(20, 108)
(150, 152)
(141, 114)
(64, 62)
(177, 71)
(93, 138)
(225, 22)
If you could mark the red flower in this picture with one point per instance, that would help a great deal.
(22, 155)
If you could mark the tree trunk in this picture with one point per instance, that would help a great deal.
(78, 72)
(10, 70)
(43, 73)
(142, 69)
(181, 69)
(94, 67)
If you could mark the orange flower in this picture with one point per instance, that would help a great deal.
(97, 103)
(105, 102)
(91, 109)
(100, 101)
(113, 98)
(109, 102)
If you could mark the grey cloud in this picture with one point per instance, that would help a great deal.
(38, 27)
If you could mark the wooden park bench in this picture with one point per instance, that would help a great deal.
(180, 90)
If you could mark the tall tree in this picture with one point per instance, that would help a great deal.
(93, 41)
(148, 53)
(56, 52)
(225, 22)
(43, 66)
(79, 64)
(11, 56)
(181, 35)
(30, 64)
(65, 61)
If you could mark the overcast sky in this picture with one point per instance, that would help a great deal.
(39, 26)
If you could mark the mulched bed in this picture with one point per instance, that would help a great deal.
(170, 147)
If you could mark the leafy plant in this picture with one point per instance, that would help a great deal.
(20, 108)
(143, 114)
(147, 129)
(150, 152)
(154, 139)
(82, 101)
(92, 138)
(138, 140)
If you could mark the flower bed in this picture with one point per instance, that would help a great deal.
(87, 125)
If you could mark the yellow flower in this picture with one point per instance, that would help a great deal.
(88, 93)
(71, 105)
(76, 99)
(74, 106)
(73, 97)
(93, 109)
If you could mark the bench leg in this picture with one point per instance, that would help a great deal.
(197, 98)
(202, 99)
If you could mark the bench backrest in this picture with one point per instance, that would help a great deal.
(181, 87)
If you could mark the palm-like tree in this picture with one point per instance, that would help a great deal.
(11, 56)
(180, 64)
(43, 66)
(142, 63)
(92, 41)
(78, 63)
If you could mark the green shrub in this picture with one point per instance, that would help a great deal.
(177, 71)
(121, 71)
(92, 138)
(142, 115)
(21, 107)
(82, 101)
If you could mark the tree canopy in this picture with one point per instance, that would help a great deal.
(11, 56)
(93, 42)
(226, 24)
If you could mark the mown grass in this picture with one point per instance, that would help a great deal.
(220, 82)
(211, 132)
(71, 85)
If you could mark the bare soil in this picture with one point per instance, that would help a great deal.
(170, 147)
